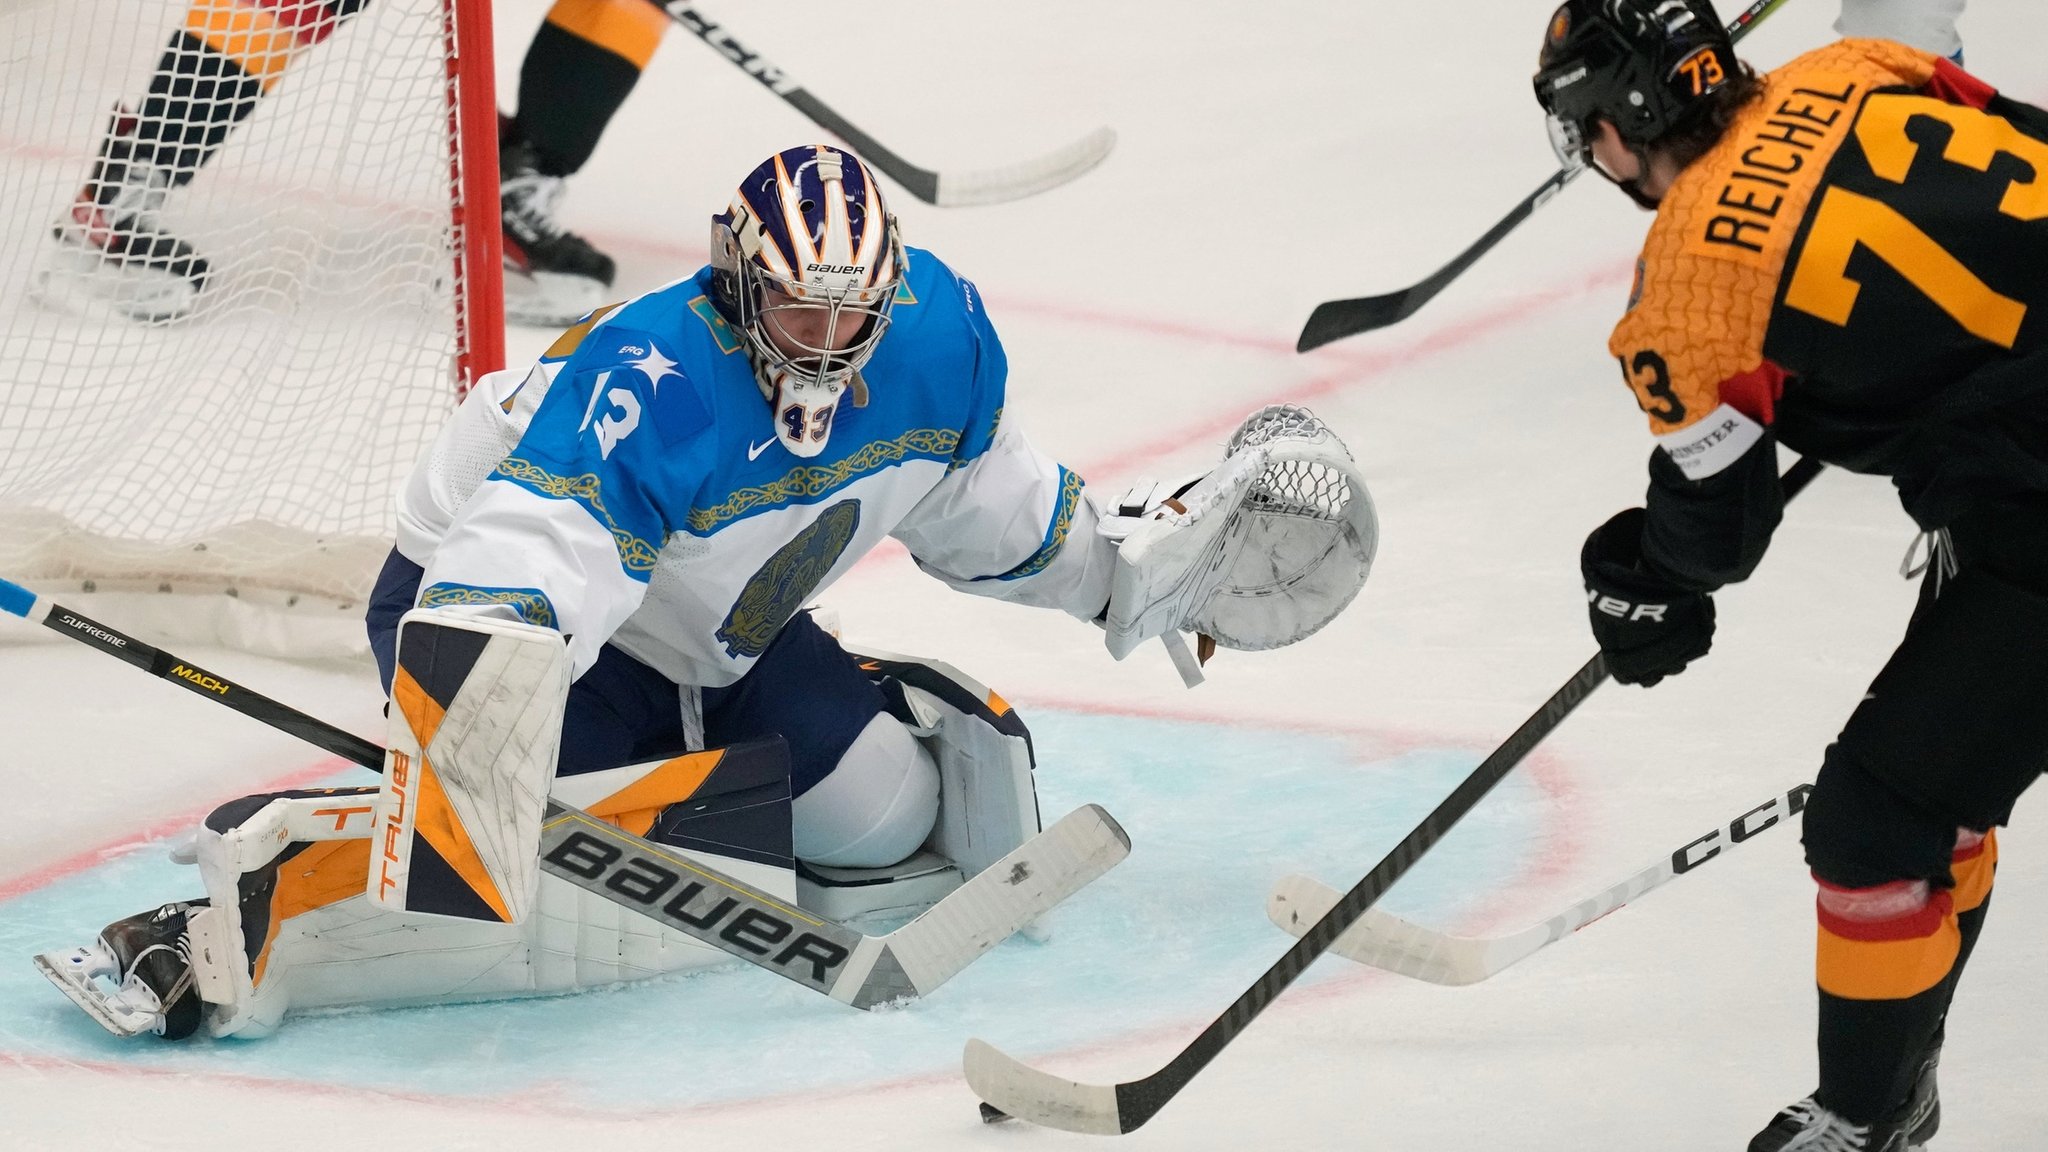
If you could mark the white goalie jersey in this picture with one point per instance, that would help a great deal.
(630, 488)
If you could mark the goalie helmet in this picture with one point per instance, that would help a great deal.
(806, 261)
(1647, 66)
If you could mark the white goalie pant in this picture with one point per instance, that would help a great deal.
(876, 806)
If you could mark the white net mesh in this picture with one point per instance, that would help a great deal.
(248, 435)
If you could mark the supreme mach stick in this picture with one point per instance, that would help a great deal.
(1386, 941)
(945, 189)
(1335, 319)
(1010, 1088)
(679, 893)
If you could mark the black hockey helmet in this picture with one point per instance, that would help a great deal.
(1648, 66)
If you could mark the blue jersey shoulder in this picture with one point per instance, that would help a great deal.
(940, 333)
(670, 348)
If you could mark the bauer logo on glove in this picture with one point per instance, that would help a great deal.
(1648, 627)
(1623, 610)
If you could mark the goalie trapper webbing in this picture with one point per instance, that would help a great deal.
(1299, 545)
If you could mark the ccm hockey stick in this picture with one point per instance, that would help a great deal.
(1386, 941)
(684, 895)
(1009, 1087)
(1335, 319)
(946, 189)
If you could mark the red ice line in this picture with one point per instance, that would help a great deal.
(80, 861)
(1545, 770)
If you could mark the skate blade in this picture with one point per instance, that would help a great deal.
(84, 284)
(549, 299)
(78, 973)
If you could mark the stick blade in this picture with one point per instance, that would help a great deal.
(1025, 1093)
(1333, 320)
(1026, 178)
(1007, 895)
(1378, 939)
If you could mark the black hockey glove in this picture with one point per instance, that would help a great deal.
(1647, 627)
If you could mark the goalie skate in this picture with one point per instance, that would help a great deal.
(135, 978)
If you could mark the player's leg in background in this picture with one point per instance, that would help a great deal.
(867, 792)
(214, 70)
(578, 70)
(1929, 25)
(1898, 829)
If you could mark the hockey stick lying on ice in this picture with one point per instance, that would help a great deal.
(1387, 941)
(1335, 319)
(1011, 1088)
(946, 189)
(684, 895)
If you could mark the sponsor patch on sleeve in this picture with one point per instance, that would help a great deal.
(1710, 444)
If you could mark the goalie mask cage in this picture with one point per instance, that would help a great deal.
(254, 445)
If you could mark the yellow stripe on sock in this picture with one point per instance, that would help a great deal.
(248, 36)
(631, 29)
(1974, 876)
(1886, 969)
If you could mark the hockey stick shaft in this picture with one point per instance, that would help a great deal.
(931, 187)
(1090, 1108)
(683, 894)
(1334, 320)
(921, 183)
(21, 602)
(1396, 945)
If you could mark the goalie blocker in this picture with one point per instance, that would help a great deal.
(428, 888)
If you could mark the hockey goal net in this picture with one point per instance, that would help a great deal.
(325, 171)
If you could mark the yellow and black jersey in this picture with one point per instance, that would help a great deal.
(1859, 268)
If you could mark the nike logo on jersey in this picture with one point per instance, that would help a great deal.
(754, 450)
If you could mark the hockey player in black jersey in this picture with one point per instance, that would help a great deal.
(215, 70)
(1848, 258)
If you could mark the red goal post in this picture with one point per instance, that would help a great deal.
(247, 450)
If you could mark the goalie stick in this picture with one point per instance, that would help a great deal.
(686, 896)
(945, 189)
(1382, 940)
(1333, 320)
(1011, 1088)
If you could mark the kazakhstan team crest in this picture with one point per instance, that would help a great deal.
(789, 577)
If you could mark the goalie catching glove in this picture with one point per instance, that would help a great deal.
(1260, 552)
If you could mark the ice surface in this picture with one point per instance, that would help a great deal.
(1270, 157)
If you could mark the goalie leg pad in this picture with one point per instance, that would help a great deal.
(290, 925)
(988, 798)
(264, 859)
(987, 805)
(476, 726)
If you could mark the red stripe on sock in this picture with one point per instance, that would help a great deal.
(1918, 924)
